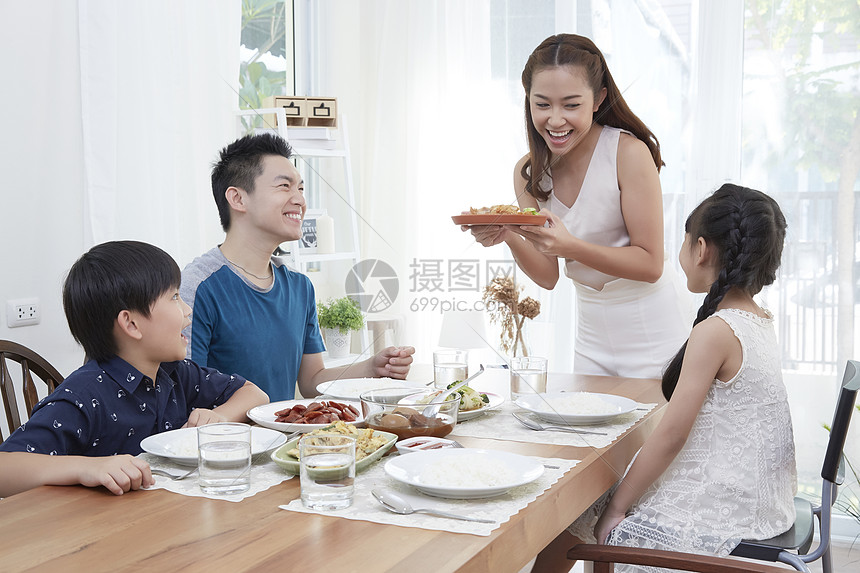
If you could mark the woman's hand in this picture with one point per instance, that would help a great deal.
(488, 235)
(551, 240)
(607, 523)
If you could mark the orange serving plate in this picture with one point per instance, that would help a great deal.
(499, 219)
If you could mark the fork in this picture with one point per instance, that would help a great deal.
(172, 476)
(532, 425)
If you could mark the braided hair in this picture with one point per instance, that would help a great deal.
(747, 228)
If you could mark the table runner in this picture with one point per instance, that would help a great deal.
(499, 508)
(264, 474)
(499, 423)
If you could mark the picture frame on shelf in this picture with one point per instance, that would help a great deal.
(308, 241)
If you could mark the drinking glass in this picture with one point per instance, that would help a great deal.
(224, 458)
(528, 376)
(327, 471)
(449, 366)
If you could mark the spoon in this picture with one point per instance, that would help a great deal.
(532, 425)
(431, 410)
(396, 504)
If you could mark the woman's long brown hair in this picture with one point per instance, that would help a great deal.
(573, 50)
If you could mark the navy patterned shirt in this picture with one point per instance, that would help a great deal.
(107, 408)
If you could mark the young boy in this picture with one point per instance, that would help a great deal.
(122, 303)
(252, 315)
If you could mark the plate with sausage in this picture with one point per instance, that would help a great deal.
(305, 415)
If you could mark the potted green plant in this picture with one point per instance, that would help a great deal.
(338, 318)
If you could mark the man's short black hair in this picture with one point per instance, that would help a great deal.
(109, 278)
(240, 164)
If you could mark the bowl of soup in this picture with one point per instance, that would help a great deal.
(400, 411)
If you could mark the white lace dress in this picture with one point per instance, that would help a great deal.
(735, 478)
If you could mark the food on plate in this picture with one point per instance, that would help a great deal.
(424, 443)
(407, 422)
(470, 399)
(581, 403)
(318, 413)
(367, 440)
(472, 471)
(502, 210)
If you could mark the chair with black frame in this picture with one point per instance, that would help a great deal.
(31, 364)
(792, 547)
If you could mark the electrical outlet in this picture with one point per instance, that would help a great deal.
(22, 312)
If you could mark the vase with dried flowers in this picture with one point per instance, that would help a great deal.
(502, 298)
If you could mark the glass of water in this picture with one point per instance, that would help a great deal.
(528, 376)
(327, 471)
(224, 458)
(449, 366)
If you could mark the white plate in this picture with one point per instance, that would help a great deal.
(351, 388)
(265, 415)
(542, 405)
(495, 402)
(181, 445)
(412, 470)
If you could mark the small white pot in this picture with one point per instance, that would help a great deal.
(336, 342)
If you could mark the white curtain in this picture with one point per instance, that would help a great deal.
(158, 81)
(431, 136)
(440, 131)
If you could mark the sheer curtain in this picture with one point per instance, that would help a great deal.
(435, 87)
(157, 82)
(432, 134)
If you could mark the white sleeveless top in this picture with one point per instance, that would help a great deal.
(735, 478)
(595, 216)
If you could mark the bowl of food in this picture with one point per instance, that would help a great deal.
(399, 410)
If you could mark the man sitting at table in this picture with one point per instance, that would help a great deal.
(122, 303)
(252, 314)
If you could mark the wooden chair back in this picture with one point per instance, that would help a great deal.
(31, 364)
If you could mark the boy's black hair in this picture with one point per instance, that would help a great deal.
(109, 278)
(240, 164)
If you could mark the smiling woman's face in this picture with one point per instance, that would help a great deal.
(562, 106)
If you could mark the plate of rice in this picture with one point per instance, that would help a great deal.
(582, 408)
(181, 445)
(464, 473)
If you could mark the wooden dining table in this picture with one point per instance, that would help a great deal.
(74, 528)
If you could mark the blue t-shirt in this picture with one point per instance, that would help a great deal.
(108, 408)
(238, 327)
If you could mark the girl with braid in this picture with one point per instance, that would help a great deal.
(720, 466)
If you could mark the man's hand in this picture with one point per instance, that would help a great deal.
(393, 362)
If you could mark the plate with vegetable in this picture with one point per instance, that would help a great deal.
(472, 402)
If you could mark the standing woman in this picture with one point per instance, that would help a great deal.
(592, 169)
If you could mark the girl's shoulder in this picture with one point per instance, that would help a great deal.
(728, 313)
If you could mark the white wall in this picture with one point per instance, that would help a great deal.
(41, 213)
(131, 160)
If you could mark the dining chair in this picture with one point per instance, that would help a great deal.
(792, 547)
(31, 364)
(605, 557)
